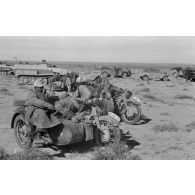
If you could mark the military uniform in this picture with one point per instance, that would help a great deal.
(36, 113)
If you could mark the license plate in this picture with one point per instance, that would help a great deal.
(137, 99)
(111, 114)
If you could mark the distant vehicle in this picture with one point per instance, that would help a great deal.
(189, 73)
(6, 69)
(177, 72)
(116, 72)
(161, 76)
(27, 74)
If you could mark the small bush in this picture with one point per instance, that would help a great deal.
(119, 153)
(173, 85)
(30, 154)
(191, 126)
(3, 90)
(183, 97)
(145, 90)
(3, 154)
(140, 84)
(153, 98)
(165, 128)
(165, 114)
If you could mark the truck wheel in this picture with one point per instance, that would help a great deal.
(165, 78)
(145, 78)
(20, 133)
(21, 80)
(108, 135)
(104, 74)
(25, 80)
(124, 75)
(175, 75)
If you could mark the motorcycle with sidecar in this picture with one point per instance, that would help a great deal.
(103, 130)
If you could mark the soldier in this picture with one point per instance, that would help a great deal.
(37, 115)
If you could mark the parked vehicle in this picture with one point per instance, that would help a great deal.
(116, 72)
(102, 129)
(162, 76)
(6, 69)
(28, 74)
(189, 73)
(130, 110)
(122, 72)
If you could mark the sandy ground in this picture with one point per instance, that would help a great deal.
(166, 131)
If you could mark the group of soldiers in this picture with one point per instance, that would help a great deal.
(74, 103)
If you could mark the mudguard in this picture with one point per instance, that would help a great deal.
(110, 119)
(134, 101)
(131, 101)
(19, 111)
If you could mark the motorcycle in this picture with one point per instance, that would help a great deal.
(129, 109)
(102, 129)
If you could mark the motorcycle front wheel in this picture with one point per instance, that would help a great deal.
(20, 133)
(108, 134)
(132, 114)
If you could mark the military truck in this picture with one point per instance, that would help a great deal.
(27, 74)
(116, 72)
(5, 69)
(189, 73)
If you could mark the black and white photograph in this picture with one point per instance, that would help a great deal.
(97, 98)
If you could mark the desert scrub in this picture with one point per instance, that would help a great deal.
(145, 89)
(140, 84)
(166, 128)
(5, 91)
(191, 126)
(172, 85)
(165, 114)
(3, 154)
(153, 98)
(30, 154)
(183, 96)
(119, 153)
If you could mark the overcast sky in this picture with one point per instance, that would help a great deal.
(103, 49)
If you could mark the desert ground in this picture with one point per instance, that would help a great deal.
(165, 132)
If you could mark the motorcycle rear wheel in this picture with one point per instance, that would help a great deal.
(113, 138)
(132, 120)
(22, 139)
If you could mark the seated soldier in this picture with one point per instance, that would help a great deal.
(37, 115)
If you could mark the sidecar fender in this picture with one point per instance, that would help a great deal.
(17, 112)
(110, 119)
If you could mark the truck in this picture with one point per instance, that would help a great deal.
(116, 72)
(28, 74)
(6, 69)
(189, 73)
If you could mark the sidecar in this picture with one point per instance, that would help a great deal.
(64, 134)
